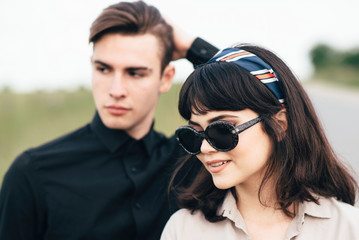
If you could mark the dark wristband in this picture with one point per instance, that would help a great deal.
(200, 52)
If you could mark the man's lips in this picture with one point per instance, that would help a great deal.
(117, 109)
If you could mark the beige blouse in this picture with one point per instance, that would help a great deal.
(330, 220)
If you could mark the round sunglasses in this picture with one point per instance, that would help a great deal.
(221, 135)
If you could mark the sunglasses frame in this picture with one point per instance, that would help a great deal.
(203, 134)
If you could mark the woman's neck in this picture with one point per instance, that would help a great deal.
(263, 216)
(249, 202)
(248, 199)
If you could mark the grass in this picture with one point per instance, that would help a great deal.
(28, 120)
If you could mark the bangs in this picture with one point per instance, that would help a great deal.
(221, 86)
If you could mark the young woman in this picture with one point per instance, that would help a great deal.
(268, 170)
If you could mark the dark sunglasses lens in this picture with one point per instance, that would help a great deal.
(221, 136)
(189, 140)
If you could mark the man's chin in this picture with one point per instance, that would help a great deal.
(114, 125)
(113, 122)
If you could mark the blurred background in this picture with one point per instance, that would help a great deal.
(45, 74)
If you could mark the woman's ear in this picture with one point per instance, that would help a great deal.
(281, 119)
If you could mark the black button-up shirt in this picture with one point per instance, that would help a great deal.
(93, 183)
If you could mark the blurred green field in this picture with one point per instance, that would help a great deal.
(28, 120)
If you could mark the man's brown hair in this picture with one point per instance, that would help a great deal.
(132, 18)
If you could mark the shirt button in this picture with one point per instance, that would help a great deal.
(203, 51)
(133, 169)
(138, 206)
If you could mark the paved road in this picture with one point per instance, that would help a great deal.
(338, 110)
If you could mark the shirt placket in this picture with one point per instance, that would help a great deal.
(134, 162)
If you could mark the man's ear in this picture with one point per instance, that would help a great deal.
(281, 119)
(167, 78)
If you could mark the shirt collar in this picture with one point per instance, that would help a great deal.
(321, 210)
(151, 139)
(114, 139)
(229, 210)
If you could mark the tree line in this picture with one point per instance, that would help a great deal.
(335, 65)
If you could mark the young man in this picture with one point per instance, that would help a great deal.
(108, 179)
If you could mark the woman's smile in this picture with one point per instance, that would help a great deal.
(217, 166)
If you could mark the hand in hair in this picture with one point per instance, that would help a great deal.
(182, 40)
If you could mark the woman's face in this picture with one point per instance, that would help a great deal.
(243, 165)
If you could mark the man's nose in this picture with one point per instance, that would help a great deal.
(118, 87)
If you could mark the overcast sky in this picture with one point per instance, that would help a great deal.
(43, 43)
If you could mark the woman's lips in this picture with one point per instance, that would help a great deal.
(217, 165)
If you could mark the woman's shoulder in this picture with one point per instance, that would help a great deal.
(183, 223)
(185, 218)
(344, 212)
(331, 208)
(183, 213)
(330, 219)
(186, 224)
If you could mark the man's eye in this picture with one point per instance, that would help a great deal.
(103, 69)
(136, 74)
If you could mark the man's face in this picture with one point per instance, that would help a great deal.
(127, 81)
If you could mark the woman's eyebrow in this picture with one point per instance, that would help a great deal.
(220, 117)
(192, 123)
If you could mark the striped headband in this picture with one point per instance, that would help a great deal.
(254, 65)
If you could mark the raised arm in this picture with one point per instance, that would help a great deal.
(194, 49)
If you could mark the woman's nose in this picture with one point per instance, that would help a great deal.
(206, 147)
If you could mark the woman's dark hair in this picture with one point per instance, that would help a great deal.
(302, 165)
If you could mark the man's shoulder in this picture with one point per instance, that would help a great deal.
(62, 145)
(163, 139)
(70, 140)
(161, 142)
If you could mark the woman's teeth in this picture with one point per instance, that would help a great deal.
(218, 164)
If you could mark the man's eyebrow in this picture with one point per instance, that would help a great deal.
(139, 69)
(102, 63)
